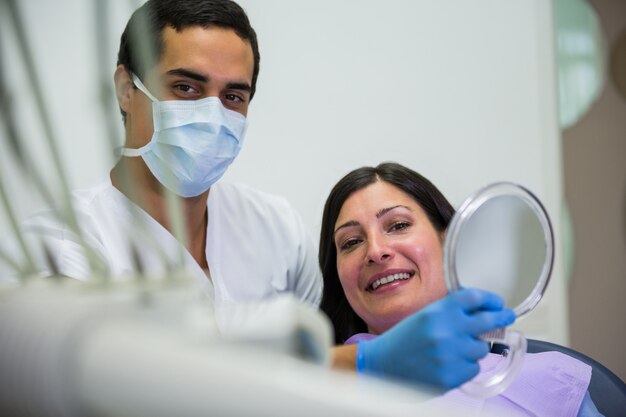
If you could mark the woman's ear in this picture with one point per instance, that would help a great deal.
(123, 87)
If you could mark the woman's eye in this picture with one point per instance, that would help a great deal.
(350, 243)
(399, 226)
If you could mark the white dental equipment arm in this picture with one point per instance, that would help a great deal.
(154, 349)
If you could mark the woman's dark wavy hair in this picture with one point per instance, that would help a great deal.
(431, 200)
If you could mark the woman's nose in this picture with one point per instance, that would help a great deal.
(378, 251)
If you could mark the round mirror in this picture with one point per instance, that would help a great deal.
(501, 240)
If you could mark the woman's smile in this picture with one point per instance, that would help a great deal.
(387, 280)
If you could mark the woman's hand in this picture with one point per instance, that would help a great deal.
(439, 344)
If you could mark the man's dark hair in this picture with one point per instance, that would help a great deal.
(141, 44)
(439, 211)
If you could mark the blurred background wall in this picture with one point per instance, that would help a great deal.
(594, 161)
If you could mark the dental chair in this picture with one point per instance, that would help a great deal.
(607, 390)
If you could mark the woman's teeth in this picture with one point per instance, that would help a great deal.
(388, 279)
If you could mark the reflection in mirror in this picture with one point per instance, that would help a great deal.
(501, 240)
(501, 248)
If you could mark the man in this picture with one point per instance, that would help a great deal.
(184, 111)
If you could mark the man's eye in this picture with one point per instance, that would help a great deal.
(185, 88)
(234, 98)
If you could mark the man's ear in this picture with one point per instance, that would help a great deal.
(123, 87)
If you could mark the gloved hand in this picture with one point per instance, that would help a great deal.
(438, 345)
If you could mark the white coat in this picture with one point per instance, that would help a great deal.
(257, 245)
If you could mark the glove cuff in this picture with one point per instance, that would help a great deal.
(360, 357)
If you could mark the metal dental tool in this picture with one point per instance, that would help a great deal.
(110, 120)
(67, 212)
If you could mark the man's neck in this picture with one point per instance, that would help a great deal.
(148, 193)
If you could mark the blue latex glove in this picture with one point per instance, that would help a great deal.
(438, 345)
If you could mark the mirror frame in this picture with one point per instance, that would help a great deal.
(464, 214)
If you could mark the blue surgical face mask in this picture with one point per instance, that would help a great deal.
(193, 142)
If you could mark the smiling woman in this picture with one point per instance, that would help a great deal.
(381, 248)
(389, 255)
(381, 255)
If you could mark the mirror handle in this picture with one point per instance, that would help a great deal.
(494, 382)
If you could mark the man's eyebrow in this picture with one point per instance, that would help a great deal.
(239, 86)
(189, 74)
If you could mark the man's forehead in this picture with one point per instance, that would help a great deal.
(209, 47)
(210, 36)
